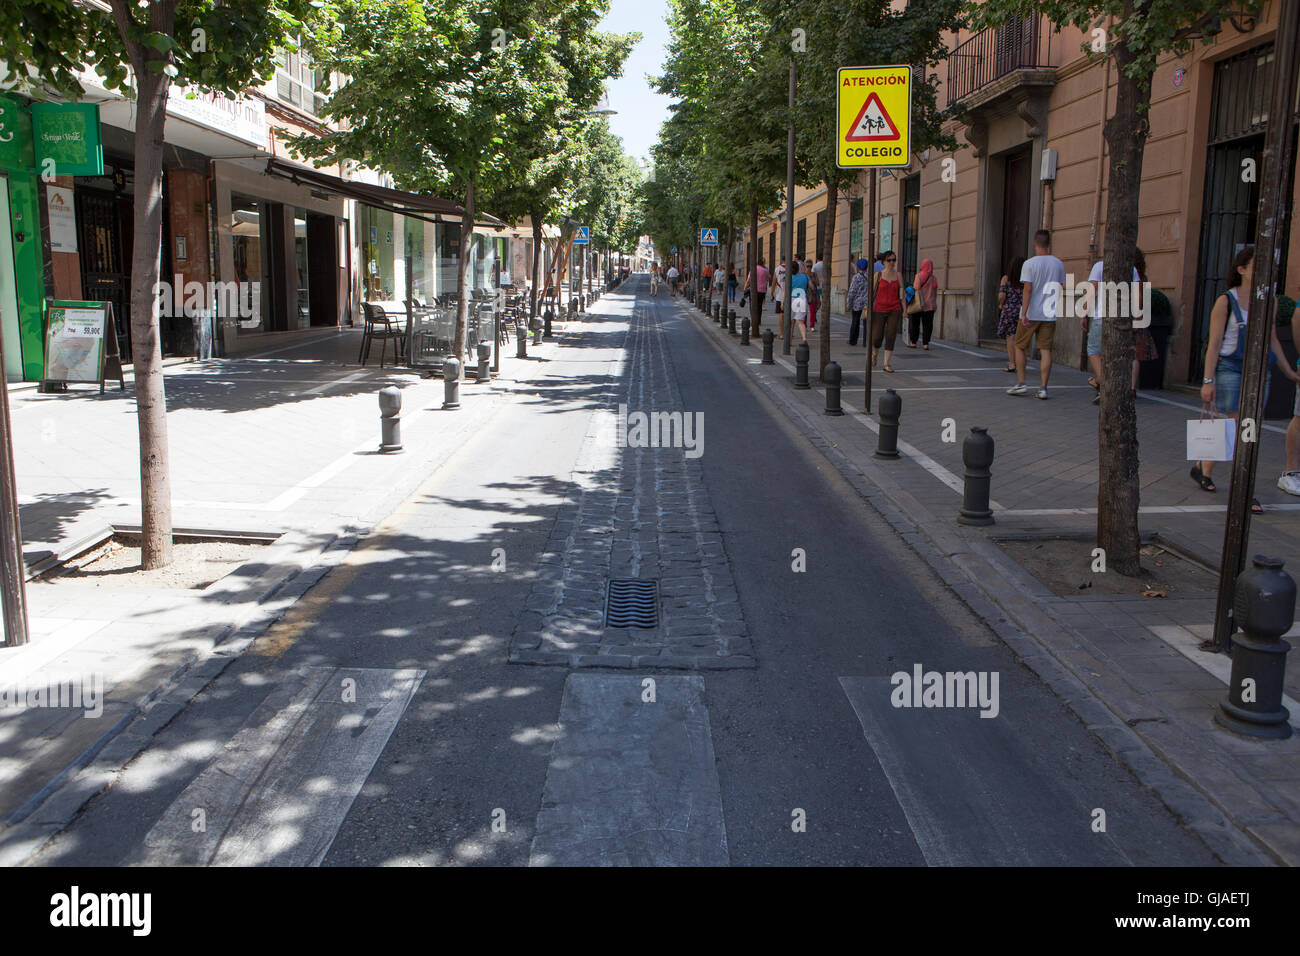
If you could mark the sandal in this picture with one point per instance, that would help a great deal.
(1202, 479)
(1255, 507)
(888, 368)
(1094, 383)
(926, 347)
(1009, 368)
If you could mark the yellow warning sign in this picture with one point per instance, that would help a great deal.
(875, 112)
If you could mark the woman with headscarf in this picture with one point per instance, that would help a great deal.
(925, 288)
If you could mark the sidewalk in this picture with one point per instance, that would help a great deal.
(282, 444)
(1128, 665)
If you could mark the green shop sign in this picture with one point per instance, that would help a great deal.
(68, 134)
(15, 136)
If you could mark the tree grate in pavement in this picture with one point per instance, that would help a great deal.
(632, 603)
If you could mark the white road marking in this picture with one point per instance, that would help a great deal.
(1183, 640)
(282, 786)
(911, 451)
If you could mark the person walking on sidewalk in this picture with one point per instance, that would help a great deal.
(1043, 277)
(1009, 294)
(886, 311)
(1221, 387)
(673, 275)
(856, 300)
(800, 284)
(1290, 479)
(814, 292)
(756, 284)
(778, 297)
(1093, 325)
(654, 281)
(924, 286)
(731, 284)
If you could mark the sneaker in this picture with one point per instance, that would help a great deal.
(1096, 400)
(1018, 389)
(1290, 482)
(1042, 393)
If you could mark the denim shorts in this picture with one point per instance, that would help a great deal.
(1227, 387)
(1094, 336)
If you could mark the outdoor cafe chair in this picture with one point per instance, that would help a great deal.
(379, 325)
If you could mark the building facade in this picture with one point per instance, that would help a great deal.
(1033, 155)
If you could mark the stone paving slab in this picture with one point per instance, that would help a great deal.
(643, 513)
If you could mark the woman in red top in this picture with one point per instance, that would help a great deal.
(886, 310)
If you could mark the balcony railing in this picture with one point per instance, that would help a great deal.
(992, 54)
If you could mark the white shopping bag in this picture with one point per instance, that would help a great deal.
(798, 304)
(1211, 439)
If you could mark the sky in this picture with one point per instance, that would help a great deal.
(640, 109)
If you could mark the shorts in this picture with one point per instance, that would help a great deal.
(1094, 336)
(1227, 387)
(1044, 332)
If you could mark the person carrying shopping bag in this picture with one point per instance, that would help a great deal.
(1221, 386)
(920, 311)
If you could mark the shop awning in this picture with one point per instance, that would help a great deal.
(381, 197)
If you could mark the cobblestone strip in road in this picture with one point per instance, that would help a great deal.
(636, 513)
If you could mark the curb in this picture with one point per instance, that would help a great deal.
(951, 555)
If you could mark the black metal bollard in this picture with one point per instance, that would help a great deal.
(390, 420)
(801, 366)
(484, 372)
(891, 411)
(977, 455)
(521, 341)
(451, 383)
(744, 328)
(717, 313)
(537, 331)
(1263, 607)
(732, 322)
(768, 339)
(832, 377)
(547, 317)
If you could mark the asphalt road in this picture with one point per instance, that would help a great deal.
(378, 723)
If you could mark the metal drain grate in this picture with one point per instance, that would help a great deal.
(632, 603)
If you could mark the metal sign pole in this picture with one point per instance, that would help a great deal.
(1274, 230)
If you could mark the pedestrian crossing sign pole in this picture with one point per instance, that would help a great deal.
(708, 237)
(875, 113)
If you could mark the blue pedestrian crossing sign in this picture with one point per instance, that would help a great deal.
(673, 251)
(582, 235)
(708, 237)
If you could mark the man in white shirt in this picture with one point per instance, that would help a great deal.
(1043, 276)
(673, 274)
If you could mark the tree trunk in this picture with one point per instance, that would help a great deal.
(146, 349)
(1118, 489)
(755, 312)
(828, 261)
(536, 217)
(462, 277)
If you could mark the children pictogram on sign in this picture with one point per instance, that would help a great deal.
(872, 122)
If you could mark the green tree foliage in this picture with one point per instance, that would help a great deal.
(443, 93)
(141, 47)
